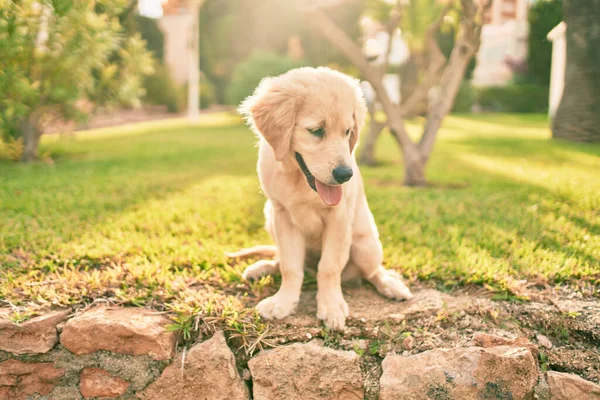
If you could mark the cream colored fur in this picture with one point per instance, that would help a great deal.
(343, 238)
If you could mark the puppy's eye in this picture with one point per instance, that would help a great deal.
(319, 132)
(348, 131)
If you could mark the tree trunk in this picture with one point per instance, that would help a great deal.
(441, 105)
(414, 171)
(409, 81)
(31, 131)
(367, 154)
(414, 165)
(578, 115)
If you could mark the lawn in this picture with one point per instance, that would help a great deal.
(142, 215)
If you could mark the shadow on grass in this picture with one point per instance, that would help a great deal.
(47, 205)
(527, 210)
(175, 200)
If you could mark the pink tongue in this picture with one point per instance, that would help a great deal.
(331, 195)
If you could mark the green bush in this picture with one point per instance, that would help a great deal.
(161, 90)
(248, 74)
(207, 93)
(526, 98)
(543, 16)
(151, 33)
(465, 98)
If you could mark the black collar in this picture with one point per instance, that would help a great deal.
(309, 177)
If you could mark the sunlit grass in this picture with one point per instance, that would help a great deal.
(143, 214)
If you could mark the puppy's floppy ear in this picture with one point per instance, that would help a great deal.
(359, 115)
(272, 112)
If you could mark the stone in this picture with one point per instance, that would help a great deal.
(565, 386)
(207, 369)
(20, 380)
(486, 340)
(408, 343)
(35, 336)
(306, 372)
(543, 341)
(501, 372)
(134, 331)
(96, 382)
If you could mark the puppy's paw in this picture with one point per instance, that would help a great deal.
(333, 310)
(277, 306)
(260, 269)
(390, 284)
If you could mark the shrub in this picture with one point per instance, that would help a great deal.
(526, 98)
(248, 74)
(207, 93)
(151, 33)
(161, 90)
(85, 54)
(465, 98)
(11, 149)
(543, 16)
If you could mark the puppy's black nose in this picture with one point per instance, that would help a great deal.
(342, 174)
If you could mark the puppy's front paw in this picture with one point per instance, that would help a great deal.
(333, 310)
(389, 284)
(277, 306)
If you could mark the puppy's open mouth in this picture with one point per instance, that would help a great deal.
(330, 194)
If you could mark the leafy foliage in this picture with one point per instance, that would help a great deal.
(162, 90)
(465, 98)
(207, 93)
(248, 74)
(56, 53)
(523, 98)
(152, 35)
(230, 31)
(543, 16)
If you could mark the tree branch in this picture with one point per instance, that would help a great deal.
(437, 60)
(353, 52)
(392, 25)
(338, 37)
(465, 47)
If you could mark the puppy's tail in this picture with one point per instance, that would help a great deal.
(260, 251)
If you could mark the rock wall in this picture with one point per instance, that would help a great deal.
(128, 353)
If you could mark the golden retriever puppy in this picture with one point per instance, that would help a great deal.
(308, 121)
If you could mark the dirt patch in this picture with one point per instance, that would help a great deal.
(433, 319)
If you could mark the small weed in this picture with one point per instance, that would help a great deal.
(507, 296)
(330, 338)
(543, 361)
(358, 350)
(21, 316)
(571, 314)
(374, 347)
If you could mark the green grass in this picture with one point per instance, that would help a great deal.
(143, 215)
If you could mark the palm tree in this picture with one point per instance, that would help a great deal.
(578, 115)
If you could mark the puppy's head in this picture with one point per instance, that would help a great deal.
(314, 116)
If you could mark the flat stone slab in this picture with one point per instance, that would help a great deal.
(134, 331)
(208, 371)
(35, 336)
(20, 380)
(571, 387)
(502, 372)
(306, 372)
(96, 382)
